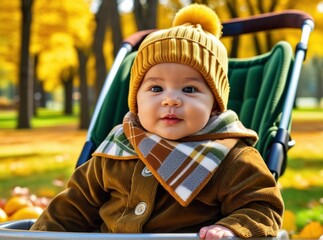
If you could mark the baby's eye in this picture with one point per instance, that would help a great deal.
(156, 89)
(189, 89)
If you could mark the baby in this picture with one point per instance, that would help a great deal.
(180, 162)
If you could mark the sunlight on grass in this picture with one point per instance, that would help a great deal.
(305, 203)
(308, 114)
(302, 173)
(34, 163)
(37, 170)
(41, 157)
(47, 183)
(302, 183)
(45, 118)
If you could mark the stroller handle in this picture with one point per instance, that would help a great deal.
(251, 24)
(266, 21)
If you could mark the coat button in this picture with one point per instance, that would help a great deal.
(146, 172)
(140, 208)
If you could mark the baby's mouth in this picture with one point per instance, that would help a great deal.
(171, 119)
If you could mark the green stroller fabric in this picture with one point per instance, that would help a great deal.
(115, 105)
(257, 89)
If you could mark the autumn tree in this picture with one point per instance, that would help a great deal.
(16, 61)
(57, 65)
(71, 19)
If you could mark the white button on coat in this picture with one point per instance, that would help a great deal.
(145, 172)
(140, 208)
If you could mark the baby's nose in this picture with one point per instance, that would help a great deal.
(171, 99)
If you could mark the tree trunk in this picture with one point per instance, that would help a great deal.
(101, 19)
(84, 101)
(234, 47)
(25, 81)
(114, 22)
(43, 95)
(271, 8)
(254, 36)
(36, 92)
(318, 64)
(145, 14)
(231, 5)
(68, 93)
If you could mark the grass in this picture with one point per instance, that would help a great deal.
(43, 158)
(302, 183)
(304, 114)
(45, 118)
(302, 188)
(45, 184)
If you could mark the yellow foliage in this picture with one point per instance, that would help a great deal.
(49, 18)
(71, 17)
(168, 15)
(289, 221)
(58, 28)
(10, 19)
(91, 74)
(128, 24)
(56, 62)
(312, 230)
(108, 48)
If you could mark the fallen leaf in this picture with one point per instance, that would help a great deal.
(311, 230)
(289, 221)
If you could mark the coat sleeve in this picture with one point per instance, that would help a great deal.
(76, 209)
(250, 198)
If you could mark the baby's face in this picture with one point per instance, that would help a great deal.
(174, 101)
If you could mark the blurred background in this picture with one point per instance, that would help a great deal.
(54, 52)
(55, 56)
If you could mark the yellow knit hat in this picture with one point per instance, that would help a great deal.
(194, 41)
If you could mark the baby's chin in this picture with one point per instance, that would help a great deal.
(171, 137)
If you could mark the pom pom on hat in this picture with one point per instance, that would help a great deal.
(194, 41)
(199, 14)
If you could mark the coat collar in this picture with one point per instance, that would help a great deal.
(181, 167)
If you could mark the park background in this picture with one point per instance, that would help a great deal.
(55, 55)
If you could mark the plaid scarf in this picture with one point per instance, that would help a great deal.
(182, 167)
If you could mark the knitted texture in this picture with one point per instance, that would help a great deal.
(188, 44)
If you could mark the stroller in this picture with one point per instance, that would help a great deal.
(265, 83)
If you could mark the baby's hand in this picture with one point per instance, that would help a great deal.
(215, 232)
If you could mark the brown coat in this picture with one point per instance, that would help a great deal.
(121, 197)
